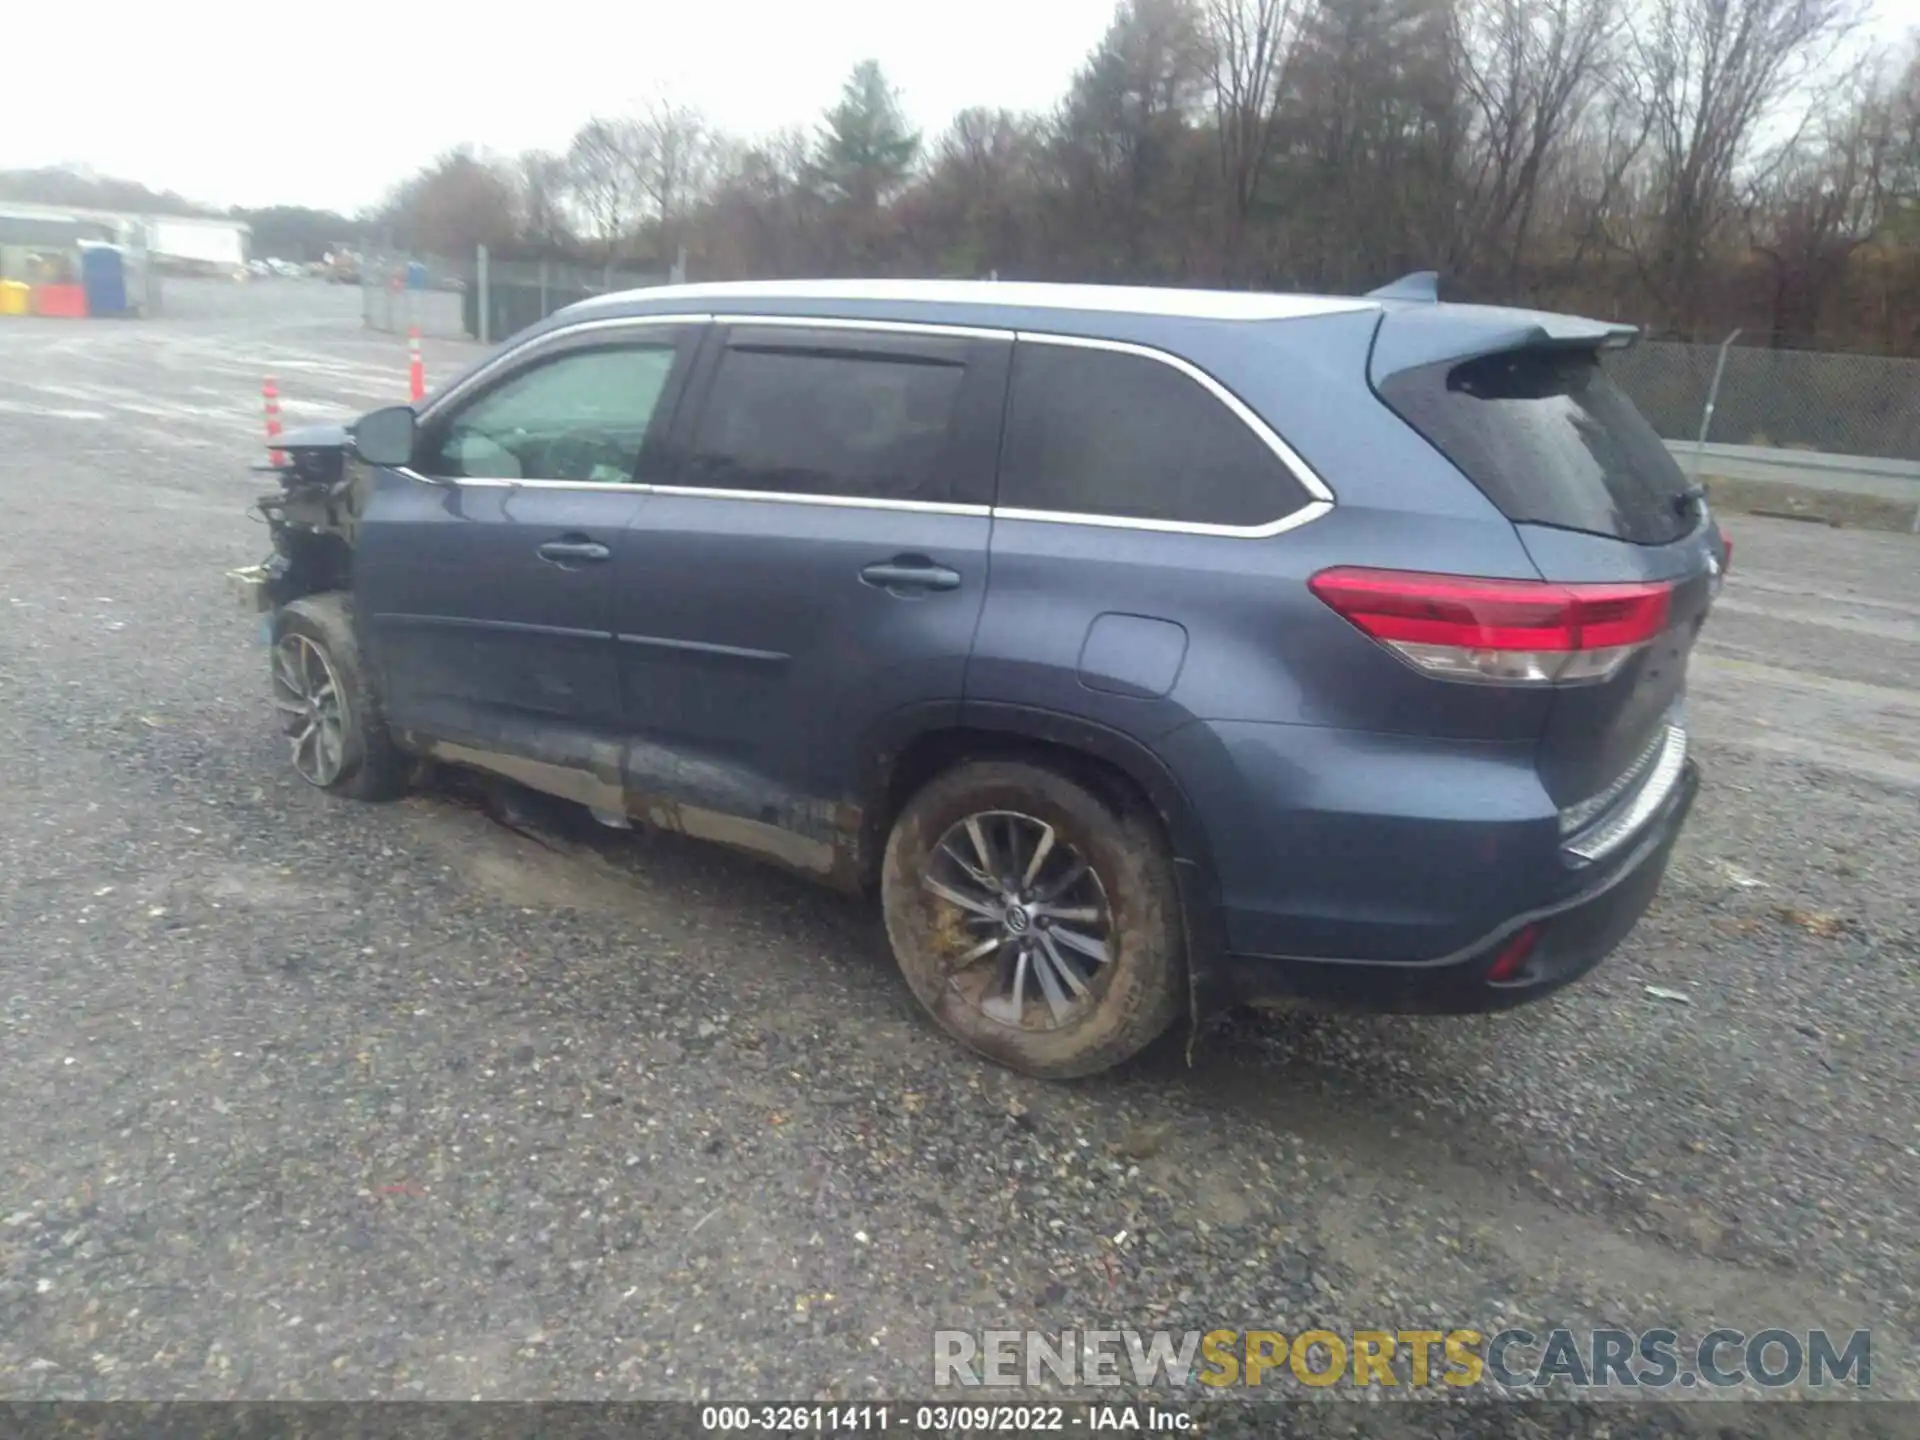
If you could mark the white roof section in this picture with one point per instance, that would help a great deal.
(32, 210)
(1014, 294)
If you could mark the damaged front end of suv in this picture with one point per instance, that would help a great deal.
(325, 474)
(312, 517)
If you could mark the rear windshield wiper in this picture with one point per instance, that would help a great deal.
(1688, 498)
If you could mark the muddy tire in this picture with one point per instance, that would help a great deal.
(1089, 973)
(328, 703)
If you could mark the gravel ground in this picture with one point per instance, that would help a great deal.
(308, 1099)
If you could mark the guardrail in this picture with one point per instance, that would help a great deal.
(1894, 480)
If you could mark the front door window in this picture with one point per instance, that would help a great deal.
(581, 416)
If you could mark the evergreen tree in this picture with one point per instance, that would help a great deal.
(866, 150)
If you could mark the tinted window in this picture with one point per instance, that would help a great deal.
(813, 422)
(578, 416)
(1549, 439)
(1096, 432)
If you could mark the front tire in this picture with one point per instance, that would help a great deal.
(329, 706)
(1038, 923)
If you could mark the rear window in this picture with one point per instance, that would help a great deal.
(1549, 439)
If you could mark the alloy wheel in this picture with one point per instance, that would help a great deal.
(1031, 940)
(306, 690)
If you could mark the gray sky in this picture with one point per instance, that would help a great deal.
(245, 102)
(250, 102)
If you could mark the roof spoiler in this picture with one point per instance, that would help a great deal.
(1422, 286)
(1432, 334)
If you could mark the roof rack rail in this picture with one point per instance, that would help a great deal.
(1422, 285)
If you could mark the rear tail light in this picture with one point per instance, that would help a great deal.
(1515, 632)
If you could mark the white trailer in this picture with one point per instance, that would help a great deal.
(185, 243)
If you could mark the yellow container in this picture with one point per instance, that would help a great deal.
(15, 298)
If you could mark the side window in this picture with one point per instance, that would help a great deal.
(1099, 432)
(862, 425)
(579, 416)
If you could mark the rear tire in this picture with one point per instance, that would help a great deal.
(1089, 973)
(329, 705)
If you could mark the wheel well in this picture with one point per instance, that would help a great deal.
(938, 751)
(315, 562)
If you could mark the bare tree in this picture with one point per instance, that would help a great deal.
(459, 201)
(543, 200)
(1596, 177)
(1122, 135)
(762, 216)
(1897, 136)
(1248, 44)
(675, 155)
(1711, 74)
(1375, 133)
(1528, 69)
(1819, 201)
(606, 169)
(972, 211)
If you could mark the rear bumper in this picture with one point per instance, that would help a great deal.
(1575, 933)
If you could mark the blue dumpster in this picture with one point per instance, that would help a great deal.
(103, 275)
(416, 275)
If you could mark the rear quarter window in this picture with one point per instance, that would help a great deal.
(1550, 440)
(1098, 432)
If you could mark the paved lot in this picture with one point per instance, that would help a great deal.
(304, 1098)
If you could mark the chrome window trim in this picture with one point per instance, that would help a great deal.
(1321, 503)
(498, 482)
(882, 327)
(1293, 520)
(702, 492)
(846, 502)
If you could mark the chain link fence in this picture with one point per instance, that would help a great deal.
(1866, 405)
(513, 294)
(477, 297)
(398, 292)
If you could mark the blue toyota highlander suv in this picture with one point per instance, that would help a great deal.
(1142, 649)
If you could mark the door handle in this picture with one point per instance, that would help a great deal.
(910, 572)
(565, 552)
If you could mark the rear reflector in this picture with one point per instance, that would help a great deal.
(1513, 955)
(1517, 632)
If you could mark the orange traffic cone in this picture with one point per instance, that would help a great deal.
(270, 397)
(416, 368)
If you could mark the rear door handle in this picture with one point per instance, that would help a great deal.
(911, 572)
(573, 552)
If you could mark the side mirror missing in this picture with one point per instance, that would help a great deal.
(385, 437)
